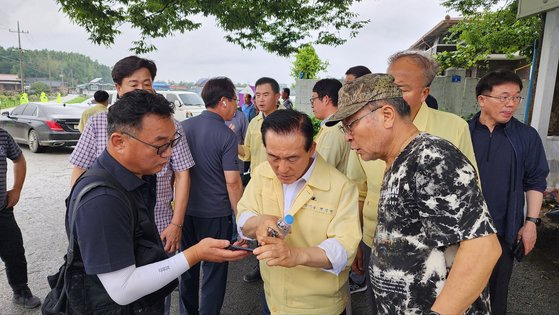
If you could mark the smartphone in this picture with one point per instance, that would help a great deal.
(235, 247)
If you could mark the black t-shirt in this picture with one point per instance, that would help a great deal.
(214, 149)
(104, 229)
(429, 202)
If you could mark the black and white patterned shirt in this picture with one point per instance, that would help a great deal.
(429, 202)
(8, 149)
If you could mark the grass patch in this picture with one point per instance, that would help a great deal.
(76, 100)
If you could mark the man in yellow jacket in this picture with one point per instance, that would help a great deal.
(306, 271)
(266, 99)
(413, 72)
(330, 142)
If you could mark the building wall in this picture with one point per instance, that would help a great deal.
(9, 87)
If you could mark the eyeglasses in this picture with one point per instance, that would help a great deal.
(313, 98)
(504, 99)
(160, 148)
(234, 99)
(347, 128)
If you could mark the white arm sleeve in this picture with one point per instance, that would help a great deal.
(336, 253)
(129, 284)
(243, 218)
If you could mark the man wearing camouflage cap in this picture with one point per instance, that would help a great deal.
(435, 243)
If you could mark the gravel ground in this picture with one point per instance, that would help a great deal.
(534, 287)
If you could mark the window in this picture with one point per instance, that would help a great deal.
(18, 110)
(171, 98)
(30, 110)
(191, 99)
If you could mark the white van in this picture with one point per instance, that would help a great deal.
(187, 104)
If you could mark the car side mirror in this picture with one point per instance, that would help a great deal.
(7, 114)
(177, 103)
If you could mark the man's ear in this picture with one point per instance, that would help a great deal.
(388, 116)
(312, 148)
(328, 100)
(118, 142)
(481, 101)
(424, 93)
(117, 88)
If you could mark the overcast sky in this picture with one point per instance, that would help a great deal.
(394, 26)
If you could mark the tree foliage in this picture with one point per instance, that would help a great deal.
(307, 62)
(484, 32)
(38, 87)
(76, 68)
(278, 26)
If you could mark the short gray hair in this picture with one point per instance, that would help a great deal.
(398, 103)
(422, 59)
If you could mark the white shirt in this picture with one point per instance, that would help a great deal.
(334, 250)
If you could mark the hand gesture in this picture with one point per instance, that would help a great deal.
(277, 252)
(12, 197)
(171, 237)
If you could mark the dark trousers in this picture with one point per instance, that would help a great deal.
(208, 298)
(500, 278)
(11, 250)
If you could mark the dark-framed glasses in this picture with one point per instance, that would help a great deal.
(504, 99)
(160, 148)
(347, 128)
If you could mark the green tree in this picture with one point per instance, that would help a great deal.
(307, 62)
(76, 68)
(277, 26)
(39, 87)
(485, 31)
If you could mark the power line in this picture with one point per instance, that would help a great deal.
(20, 52)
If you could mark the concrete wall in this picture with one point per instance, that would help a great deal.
(458, 96)
(303, 90)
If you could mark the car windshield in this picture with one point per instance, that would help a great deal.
(191, 99)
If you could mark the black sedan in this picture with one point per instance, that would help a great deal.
(40, 125)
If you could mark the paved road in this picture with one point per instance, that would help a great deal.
(40, 213)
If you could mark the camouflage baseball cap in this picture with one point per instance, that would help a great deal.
(356, 94)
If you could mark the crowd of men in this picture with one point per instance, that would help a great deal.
(418, 207)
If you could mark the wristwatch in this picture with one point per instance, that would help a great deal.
(536, 221)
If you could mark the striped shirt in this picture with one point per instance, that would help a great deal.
(8, 149)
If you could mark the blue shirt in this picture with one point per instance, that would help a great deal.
(103, 223)
(249, 111)
(214, 149)
(494, 157)
(528, 171)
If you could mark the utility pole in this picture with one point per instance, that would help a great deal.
(20, 53)
(48, 67)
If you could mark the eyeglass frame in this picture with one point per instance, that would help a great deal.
(346, 129)
(161, 148)
(314, 98)
(503, 99)
(233, 99)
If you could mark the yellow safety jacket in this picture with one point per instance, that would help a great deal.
(254, 147)
(331, 145)
(326, 207)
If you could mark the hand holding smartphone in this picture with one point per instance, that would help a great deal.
(235, 247)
